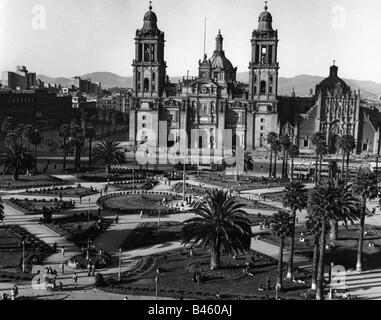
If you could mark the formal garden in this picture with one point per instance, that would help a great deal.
(80, 226)
(59, 192)
(147, 203)
(242, 277)
(11, 253)
(28, 181)
(39, 206)
(143, 184)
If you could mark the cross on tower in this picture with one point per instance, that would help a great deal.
(266, 7)
(150, 5)
(334, 61)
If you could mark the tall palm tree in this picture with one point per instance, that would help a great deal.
(2, 216)
(281, 224)
(36, 140)
(347, 144)
(221, 224)
(331, 201)
(318, 141)
(313, 225)
(108, 153)
(19, 131)
(101, 117)
(90, 134)
(295, 198)
(77, 139)
(285, 142)
(65, 134)
(271, 137)
(365, 187)
(276, 148)
(16, 157)
(322, 150)
(293, 151)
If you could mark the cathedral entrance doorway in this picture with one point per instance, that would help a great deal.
(334, 144)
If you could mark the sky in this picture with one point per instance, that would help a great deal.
(75, 37)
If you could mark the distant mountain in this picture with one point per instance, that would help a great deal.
(301, 83)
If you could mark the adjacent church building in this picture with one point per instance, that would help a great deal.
(215, 111)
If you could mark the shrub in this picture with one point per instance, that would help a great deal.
(99, 280)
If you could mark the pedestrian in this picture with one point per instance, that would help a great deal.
(60, 286)
(63, 251)
(267, 284)
(89, 269)
(62, 268)
(55, 247)
(117, 219)
(93, 270)
(75, 279)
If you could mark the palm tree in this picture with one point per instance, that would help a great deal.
(347, 144)
(276, 147)
(101, 117)
(364, 187)
(108, 153)
(65, 134)
(1, 211)
(293, 151)
(90, 134)
(84, 118)
(330, 201)
(271, 137)
(322, 150)
(19, 131)
(318, 141)
(285, 142)
(78, 140)
(295, 198)
(313, 225)
(281, 224)
(17, 157)
(221, 224)
(35, 139)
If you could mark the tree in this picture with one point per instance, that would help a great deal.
(276, 148)
(7, 125)
(318, 141)
(295, 198)
(35, 139)
(90, 134)
(281, 224)
(65, 134)
(271, 137)
(313, 225)
(330, 201)
(347, 144)
(285, 142)
(19, 131)
(84, 118)
(221, 223)
(243, 161)
(17, 157)
(293, 152)
(322, 150)
(365, 187)
(101, 117)
(28, 134)
(78, 140)
(332, 170)
(109, 152)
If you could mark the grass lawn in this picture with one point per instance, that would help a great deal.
(345, 253)
(25, 182)
(148, 233)
(177, 270)
(35, 206)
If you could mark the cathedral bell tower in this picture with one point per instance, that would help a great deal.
(149, 65)
(264, 65)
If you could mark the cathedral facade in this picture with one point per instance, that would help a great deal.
(214, 112)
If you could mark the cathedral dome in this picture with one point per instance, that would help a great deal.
(333, 83)
(265, 20)
(221, 62)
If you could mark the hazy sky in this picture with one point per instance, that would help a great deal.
(82, 36)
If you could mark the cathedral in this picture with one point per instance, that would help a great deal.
(214, 112)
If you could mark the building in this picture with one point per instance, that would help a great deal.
(86, 86)
(116, 102)
(217, 112)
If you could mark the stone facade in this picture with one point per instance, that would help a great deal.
(213, 110)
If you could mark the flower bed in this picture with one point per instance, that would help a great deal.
(136, 202)
(73, 192)
(144, 184)
(35, 206)
(24, 182)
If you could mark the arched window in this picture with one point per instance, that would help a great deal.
(263, 87)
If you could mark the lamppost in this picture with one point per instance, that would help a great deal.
(185, 146)
(23, 255)
(88, 212)
(157, 283)
(330, 281)
(133, 169)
